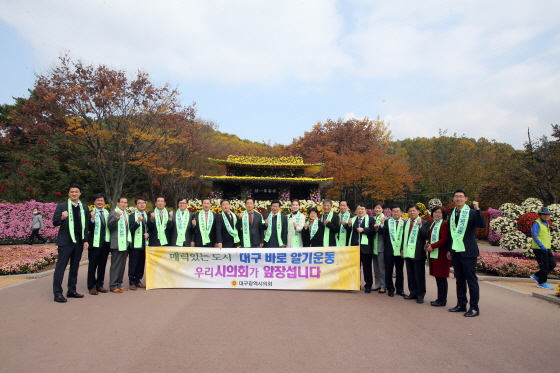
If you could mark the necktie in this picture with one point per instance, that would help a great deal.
(360, 222)
(161, 216)
(102, 217)
(251, 218)
(411, 225)
(206, 216)
(229, 216)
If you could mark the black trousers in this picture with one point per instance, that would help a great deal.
(71, 253)
(35, 234)
(97, 264)
(442, 288)
(546, 264)
(416, 275)
(136, 262)
(367, 262)
(465, 275)
(396, 262)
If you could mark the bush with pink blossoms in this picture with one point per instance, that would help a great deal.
(493, 237)
(26, 258)
(15, 221)
(510, 264)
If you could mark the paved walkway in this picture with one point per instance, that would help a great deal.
(203, 330)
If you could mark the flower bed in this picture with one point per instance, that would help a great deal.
(511, 264)
(25, 258)
(15, 221)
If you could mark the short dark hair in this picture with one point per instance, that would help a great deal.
(361, 204)
(182, 198)
(443, 212)
(224, 200)
(139, 199)
(411, 206)
(460, 191)
(206, 198)
(327, 201)
(379, 203)
(160, 196)
(275, 201)
(342, 200)
(396, 207)
(249, 198)
(99, 195)
(118, 200)
(313, 209)
(74, 185)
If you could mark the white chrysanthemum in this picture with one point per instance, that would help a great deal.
(503, 225)
(433, 203)
(531, 205)
(514, 241)
(511, 210)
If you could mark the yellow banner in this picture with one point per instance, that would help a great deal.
(306, 268)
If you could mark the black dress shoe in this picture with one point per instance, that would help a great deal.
(438, 304)
(410, 297)
(420, 300)
(472, 313)
(367, 290)
(458, 309)
(401, 293)
(74, 295)
(59, 299)
(391, 293)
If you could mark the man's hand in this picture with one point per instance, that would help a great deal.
(152, 216)
(360, 230)
(86, 245)
(240, 216)
(376, 225)
(170, 214)
(261, 245)
(402, 253)
(64, 215)
(219, 245)
(118, 213)
(283, 246)
(192, 244)
(146, 236)
(475, 205)
(266, 222)
(343, 222)
(448, 255)
(194, 222)
(326, 222)
(140, 218)
(92, 214)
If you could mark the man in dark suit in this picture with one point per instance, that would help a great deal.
(415, 233)
(344, 215)
(271, 238)
(250, 226)
(71, 217)
(392, 253)
(182, 231)
(99, 239)
(119, 225)
(228, 224)
(331, 221)
(207, 230)
(160, 224)
(360, 235)
(138, 223)
(463, 251)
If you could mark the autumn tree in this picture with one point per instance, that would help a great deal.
(114, 124)
(357, 155)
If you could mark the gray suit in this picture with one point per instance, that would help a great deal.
(256, 230)
(118, 258)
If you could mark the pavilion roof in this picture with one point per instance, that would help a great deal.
(267, 162)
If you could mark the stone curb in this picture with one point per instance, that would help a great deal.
(548, 297)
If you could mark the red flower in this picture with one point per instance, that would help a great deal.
(30, 189)
(525, 222)
(58, 194)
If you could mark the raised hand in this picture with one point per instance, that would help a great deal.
(170, 214)
(140, 218)
(152, 216)
(475, 205)
(92, 213)
(118, 213)
(64, 215)
(194, 224)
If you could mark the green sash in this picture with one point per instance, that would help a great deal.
(436, 225)
(205, 228)
(247, 228)
(395, 234)
(182, 225)
(458, 230)
(71, 220)
(376, 239)
(410, 241)
(161, 225)
(97, 230)
(123, 231)
(278, 228)
(327, 231)
(229, 228)
(297, 235)
(341, 238)
(314, 228)
(138, 233)
(365, 239)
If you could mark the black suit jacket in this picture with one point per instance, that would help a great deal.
(215, 234)
(345, 226)
(226, 238)
(152, 230)
(476, 220)
(273, 240)
(317, 240)
(91, 231)
(64, 238)
(134, 226)
(356, 236)
(423, 234)
(256, 230)
(334, 226)
(388, 245)
(188, 232)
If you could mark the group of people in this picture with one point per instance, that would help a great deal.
(385, 244)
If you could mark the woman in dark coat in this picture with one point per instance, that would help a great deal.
(437, 253)
(313, 226)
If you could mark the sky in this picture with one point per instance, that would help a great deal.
(270, 70)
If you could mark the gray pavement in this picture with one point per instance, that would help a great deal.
(233, 330)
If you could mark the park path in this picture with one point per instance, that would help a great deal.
(227, 330)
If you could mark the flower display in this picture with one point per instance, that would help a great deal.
(515, 240)
(266, 160)
(482, 233)
(493, 237)
(26, 258)
(433, 203)
(503, 225)
(555, 217)
(531, 205)
(238, 206)
(511, 210)
(449, 208)
(525, 222)
(15, 221)
(387, 213)
(502, 264)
